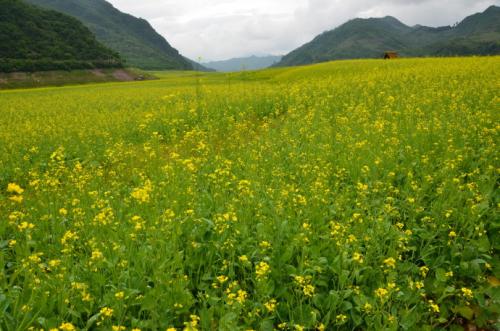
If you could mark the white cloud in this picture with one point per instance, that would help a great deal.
(220, 29)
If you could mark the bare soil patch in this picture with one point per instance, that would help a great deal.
(98, 73)
(123, 75)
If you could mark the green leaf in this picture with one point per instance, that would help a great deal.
(441, 275)
(228, 322)
(266, 325)
(409, 320)
(42, 321)
(346, 306)
(356, 318)
(91, 321)
(442, 320)
(465, 312)
(483, 244)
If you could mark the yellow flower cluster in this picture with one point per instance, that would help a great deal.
(16, 191)
(305, 284)
(262, 269)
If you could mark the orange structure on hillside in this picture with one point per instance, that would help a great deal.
(390, 55)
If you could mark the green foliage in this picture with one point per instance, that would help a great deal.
(478, 34)
(133, 38)
(34, 39)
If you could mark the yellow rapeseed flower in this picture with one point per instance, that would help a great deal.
(25, 226)
(243, 258)
(381, 292)
(106, 312)
(341, 318)
(357, 258)
(16, 198)
(308, 290)
(222, 279)
(433, 306)
(67, 327)
(262, 269)
(242, 296)
(467, 293)
(14, 188)
(424, 271)
(271, 305)
(96, 255)
(390, 262)
(264, 244)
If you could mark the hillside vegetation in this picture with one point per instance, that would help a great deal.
(133, 38)
(478, 34)
(353, 195)
(33, 39)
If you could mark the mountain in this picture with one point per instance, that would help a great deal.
(478, 34)
(133, 38)
(244, 63)
(199, 67)
(35, 39)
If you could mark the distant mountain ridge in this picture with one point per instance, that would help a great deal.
(133, 38)
(478, 34)
(198, 66)
(244, 63)
(36, 39)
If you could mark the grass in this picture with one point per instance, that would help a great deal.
(346, 195)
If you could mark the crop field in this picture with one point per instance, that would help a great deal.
(352, 195)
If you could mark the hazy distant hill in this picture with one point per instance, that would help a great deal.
(199, 67)
(134, 38)
(35, 39)
(478, 34)
(245, 63)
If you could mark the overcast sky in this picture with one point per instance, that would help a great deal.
(222, 29)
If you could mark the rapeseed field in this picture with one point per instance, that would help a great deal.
(354, 195)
